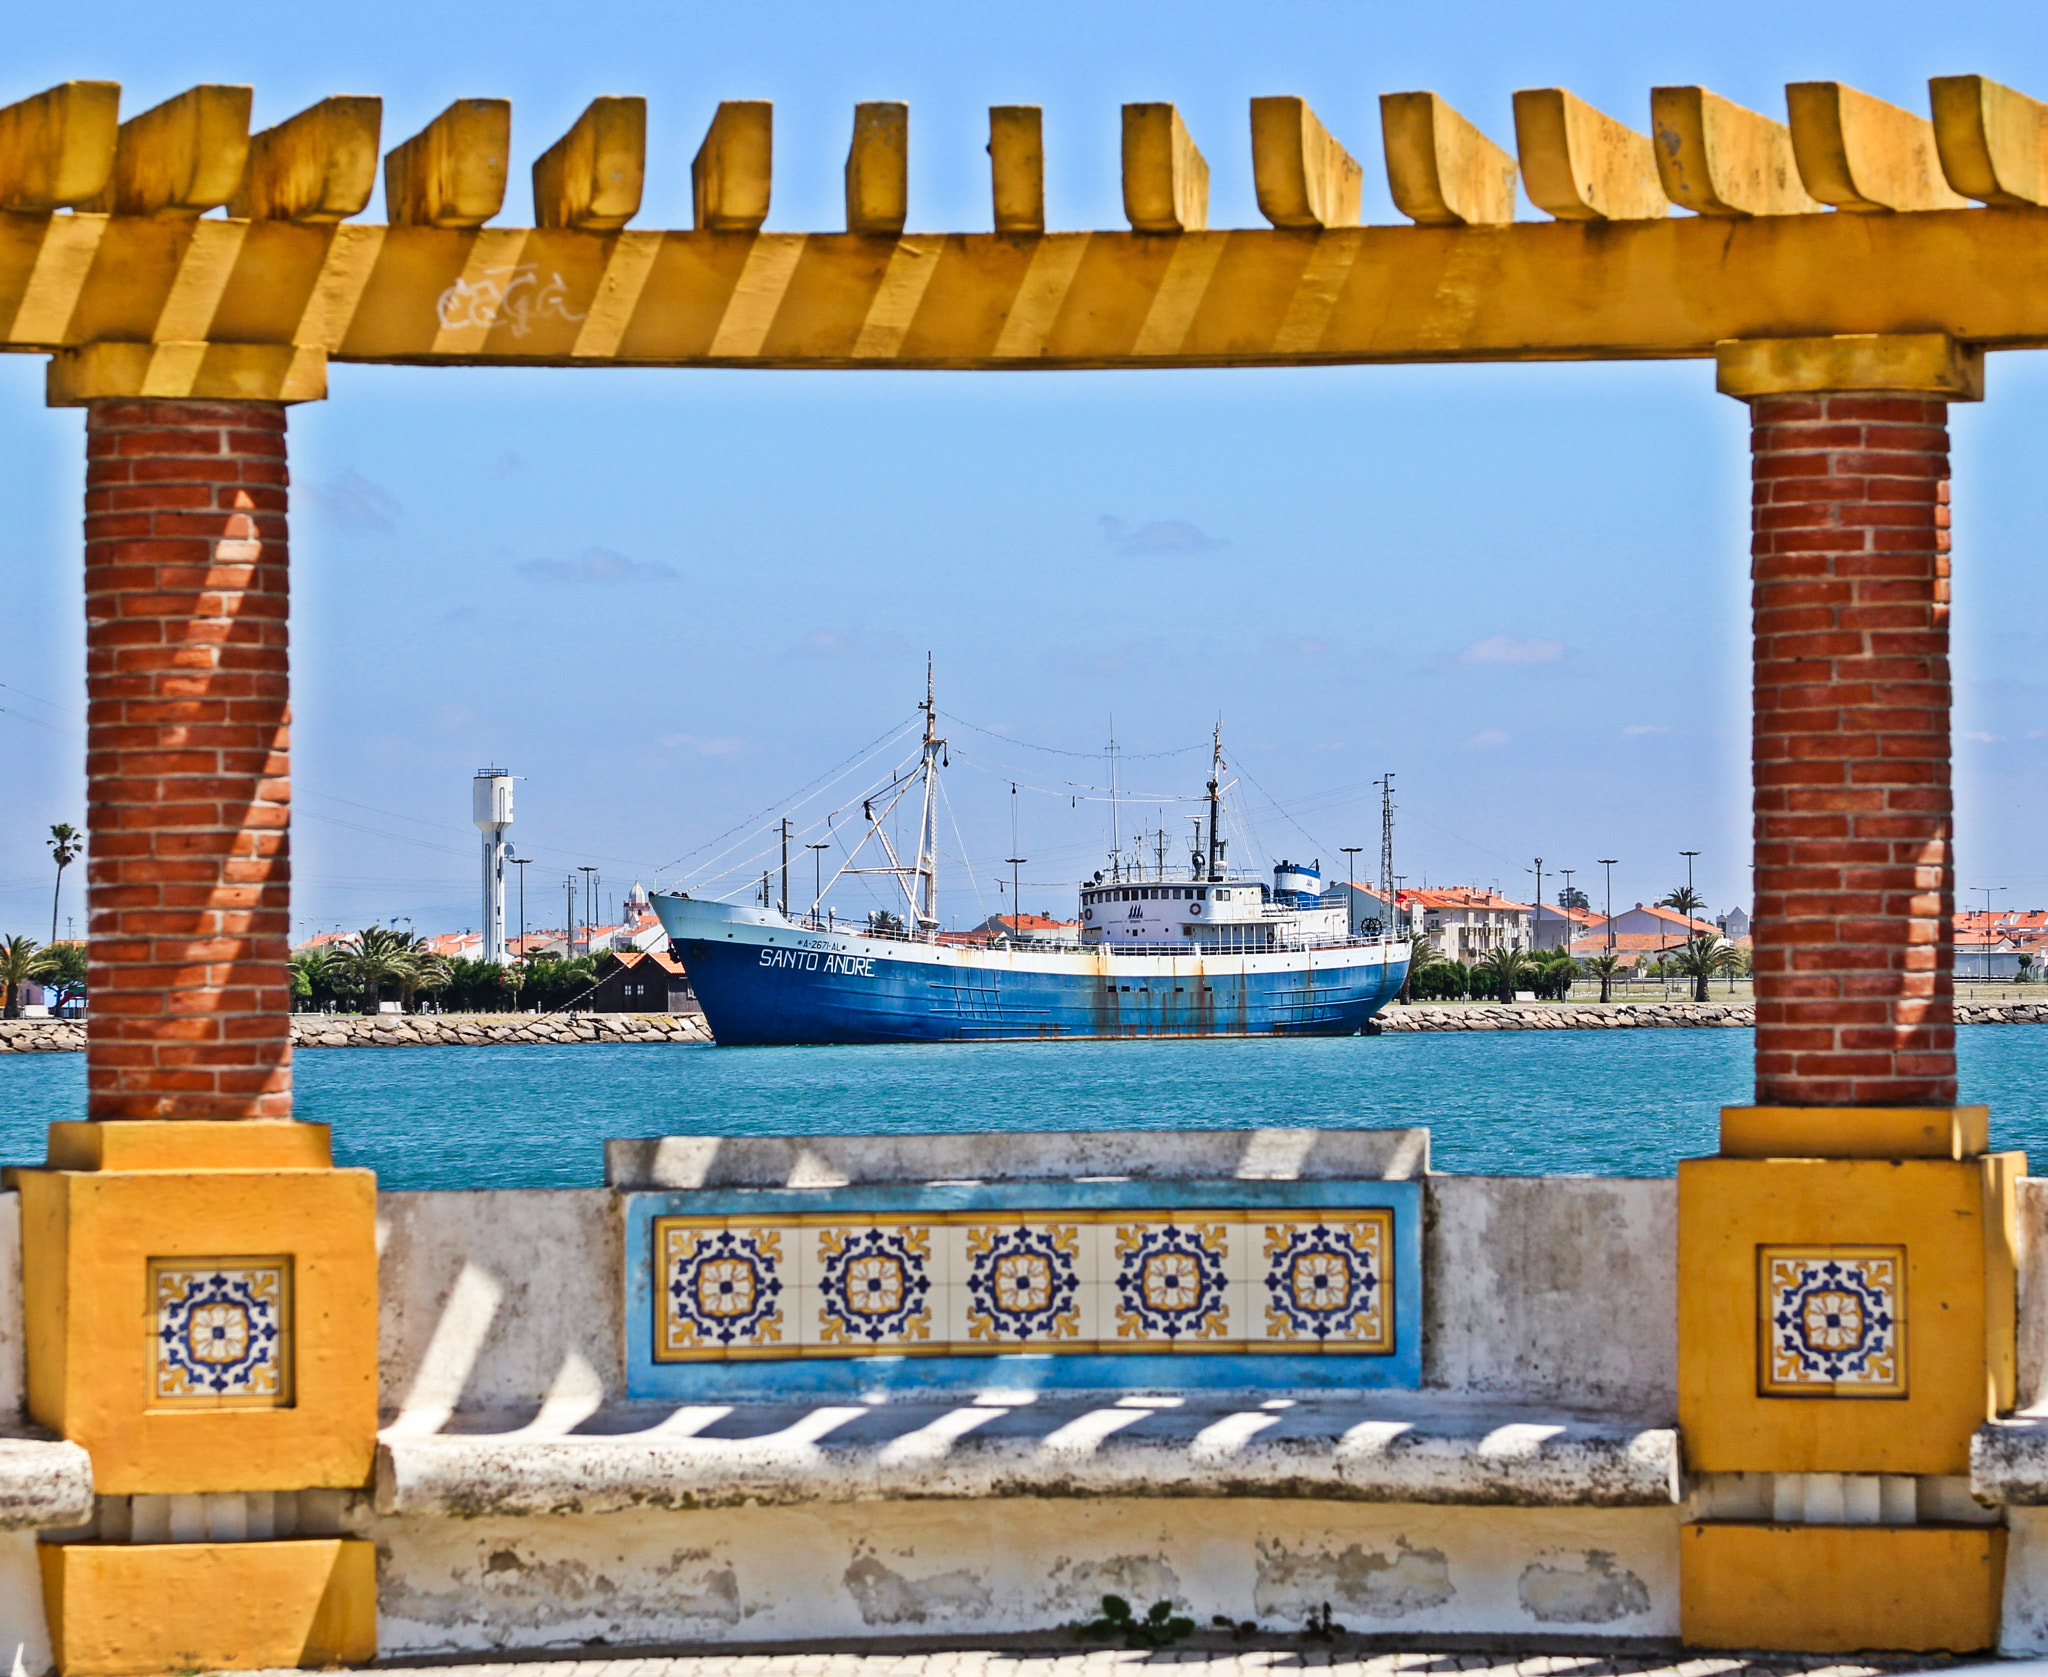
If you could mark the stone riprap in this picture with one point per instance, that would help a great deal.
(1619, 1016)
(411, 1030)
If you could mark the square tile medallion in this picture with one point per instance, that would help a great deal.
(1832, 1321)
(876, 1285)
(222, 1330)
(1168, 1282)
(1023, 1285)
(722, 1290)
(1325, 1281)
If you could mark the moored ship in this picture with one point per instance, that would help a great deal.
(1204, 952)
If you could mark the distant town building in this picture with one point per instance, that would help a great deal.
(1734, 925)
(1467, 923)
(1021, 928)
(1557, 926)
(639, 982)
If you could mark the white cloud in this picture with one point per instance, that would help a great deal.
(1638, 729)
(1165, 535)
(1985, 739)
(1512, 649)
(856, 644)
(723, 745)
(595, 565)
(1487, 738)
(355, 506)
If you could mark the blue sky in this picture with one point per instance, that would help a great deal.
(669, 600)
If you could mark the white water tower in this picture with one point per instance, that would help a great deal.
(492, 804)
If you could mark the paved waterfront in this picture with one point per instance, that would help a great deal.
(1066, 1661)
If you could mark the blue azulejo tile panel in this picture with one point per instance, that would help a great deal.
(222, 1333)
(1267, 1285)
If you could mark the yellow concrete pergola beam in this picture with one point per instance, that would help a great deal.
(561, 297)
(160, 299)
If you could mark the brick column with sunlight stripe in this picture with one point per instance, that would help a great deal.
(187, 766)
(1855, 885)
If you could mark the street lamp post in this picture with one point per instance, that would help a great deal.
(1688, 855)
(589, 886)
(1016, 911)
(1350, 868)
(1988, 938)
(1536, 923)
(817, 877)
(520, 862)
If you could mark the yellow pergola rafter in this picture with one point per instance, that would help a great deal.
(109, 261)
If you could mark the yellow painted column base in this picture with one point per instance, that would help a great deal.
(118, 1609)
(1836, 1589)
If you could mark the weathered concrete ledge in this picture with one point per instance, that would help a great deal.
(639, 1456)
(2009, 1462)
(43, 1482)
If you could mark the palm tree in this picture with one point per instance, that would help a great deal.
(22, 960)
(66, 843)
(1604, 967)
(1701, 958)
(1501, 971)
(427, 972)
(1422, 955)
(373, 957)
(1685, 899)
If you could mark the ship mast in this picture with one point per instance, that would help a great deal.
(928, 822)
(1215, 858)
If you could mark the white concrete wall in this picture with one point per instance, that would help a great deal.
(978, 1568)
(502, 1300)
(24, 1638)
(1558, 1290)
(1555, 1290)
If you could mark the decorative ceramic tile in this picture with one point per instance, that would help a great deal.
(924, 1292)
(1327, 1282)
(1166, 1281)
(722, 1289)
(876, 1288)
(1832, 1320)
(223, 1329)
(1024, 1285)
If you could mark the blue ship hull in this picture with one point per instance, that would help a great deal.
(766, 981)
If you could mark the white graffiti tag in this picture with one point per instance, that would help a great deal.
(513, 297)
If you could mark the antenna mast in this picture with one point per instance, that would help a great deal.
(928, 824)
(1115, 837)
(1386, 786)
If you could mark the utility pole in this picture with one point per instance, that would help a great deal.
(1536, 923)
(569, 945)
(817, 877)
(589, 888)
(1608, 862)
(520, 862)
(1016, 913)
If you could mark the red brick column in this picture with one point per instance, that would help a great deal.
(1855, 884)
(187, 788)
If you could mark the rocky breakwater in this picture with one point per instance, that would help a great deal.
(41, 1036)
(489, 1030)
(1569, 1016)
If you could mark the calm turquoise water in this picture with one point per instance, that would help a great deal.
(1611, 1103)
